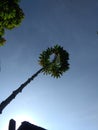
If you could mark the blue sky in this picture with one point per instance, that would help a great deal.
(68, 103)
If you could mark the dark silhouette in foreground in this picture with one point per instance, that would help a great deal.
(24, 126)
(28, 126)
(12, 124)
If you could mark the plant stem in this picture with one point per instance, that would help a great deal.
(17, 91)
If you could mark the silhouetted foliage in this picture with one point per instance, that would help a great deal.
(2, 41)
(11, 15)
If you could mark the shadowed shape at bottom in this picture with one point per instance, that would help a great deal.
(28, 126)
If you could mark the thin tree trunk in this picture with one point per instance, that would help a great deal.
(17, 91)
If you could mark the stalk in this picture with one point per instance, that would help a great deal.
(17, 91)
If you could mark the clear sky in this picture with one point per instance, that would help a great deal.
(68, 103)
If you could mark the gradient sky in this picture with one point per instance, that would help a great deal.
(68, 103)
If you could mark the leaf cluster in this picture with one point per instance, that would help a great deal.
(58, 65)
(11, 15)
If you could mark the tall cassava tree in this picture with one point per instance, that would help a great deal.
(11, 15)
(55, 67)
